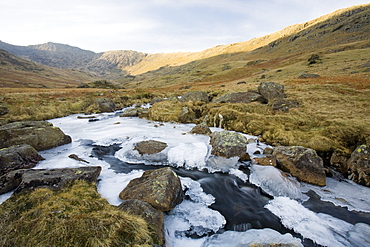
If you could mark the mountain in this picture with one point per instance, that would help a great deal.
(107, 64)
(341, 31)
(18, 72)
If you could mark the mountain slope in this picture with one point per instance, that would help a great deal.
(17, 72)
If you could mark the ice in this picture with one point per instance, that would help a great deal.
(273, 182)
(359, 235)
(252, 237)
(188, 155)
(239, 174)
(345, 193)
(5, 197)
(195, 192)
(323, 229)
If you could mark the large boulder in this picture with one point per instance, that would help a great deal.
(359, 165)
(161, 188)
(41, 135)
(18, 157)
(55, 179)
(150, 147)
(240, 97)
(271, 91)
(153, 217)
(105, 104)
(194, 96)
(228, 144)
(301, 162)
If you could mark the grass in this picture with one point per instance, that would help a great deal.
(74, 216)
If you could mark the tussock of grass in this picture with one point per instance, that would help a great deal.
(75, 216)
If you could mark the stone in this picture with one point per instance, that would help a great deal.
(153, 217)
(75, 157)
(18, 157)
(339, 163)
(194, 97)
(55, 179)
(271, 91)
(201, 129)
(359, 165)
(130, 112)
(3, 110)
(267, 160)
(228, 144)
(187, 115)
(105, 104)
(302, 163)
(240, 97)
(41, 135)
(284, 105)
(150, 147)
(161, 188)
(268, 150)
(156, 100)
(305, 76)
(314, 59)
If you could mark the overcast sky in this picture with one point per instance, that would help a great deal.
(153, 26)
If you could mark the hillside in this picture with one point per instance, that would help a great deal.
(17, 72)
(344, 30)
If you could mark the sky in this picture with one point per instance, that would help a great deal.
(153, 26)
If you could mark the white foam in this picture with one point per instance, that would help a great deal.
(273, 182)
(321, 228)
(252, 237)
(345, 193)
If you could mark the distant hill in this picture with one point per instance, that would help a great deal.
(18, 72)
(342, 30)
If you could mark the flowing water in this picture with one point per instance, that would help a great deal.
(227, 203)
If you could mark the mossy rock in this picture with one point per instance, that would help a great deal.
(165, 111)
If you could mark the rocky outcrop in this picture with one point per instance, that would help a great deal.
(283, 105)
(18, 157)
(41, 135)
(228, 144)
(240, 97)
(194, 97)
(150, 147)
(302, 163)
(271, 91)
(161, 188)
(359, 165)
(55, 179)
(201, 129)
(105, 105)
(153, 217)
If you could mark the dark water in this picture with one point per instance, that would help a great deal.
(241, 203)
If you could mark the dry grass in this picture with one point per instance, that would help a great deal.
(75, 216)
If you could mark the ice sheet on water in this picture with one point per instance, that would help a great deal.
(321, 228)
(273, 182)
(251, 237)
(195, 192)
(5, 196)
(345, 193)
(239, 174)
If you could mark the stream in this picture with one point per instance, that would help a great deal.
(227, 202)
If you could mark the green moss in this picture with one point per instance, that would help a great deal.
(75, 216)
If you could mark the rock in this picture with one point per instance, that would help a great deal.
(201, 129)
(194, 96)
(152, 216)
(268, 150)
(156, 100)
(105, 104)
(41, 135)
(55, 179)
(301, 162)
(271, 90)
(130, 112)
(314, 59)
(83, 85)
(267, 160)
(305, 76)
(3, 110)
(284, 105)
(240, 97)
(359, 165)
(18, 157)
(150, 147)
(75, 157)
(228, 144)
(187, 115)
(161, 188)
(339, 163)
